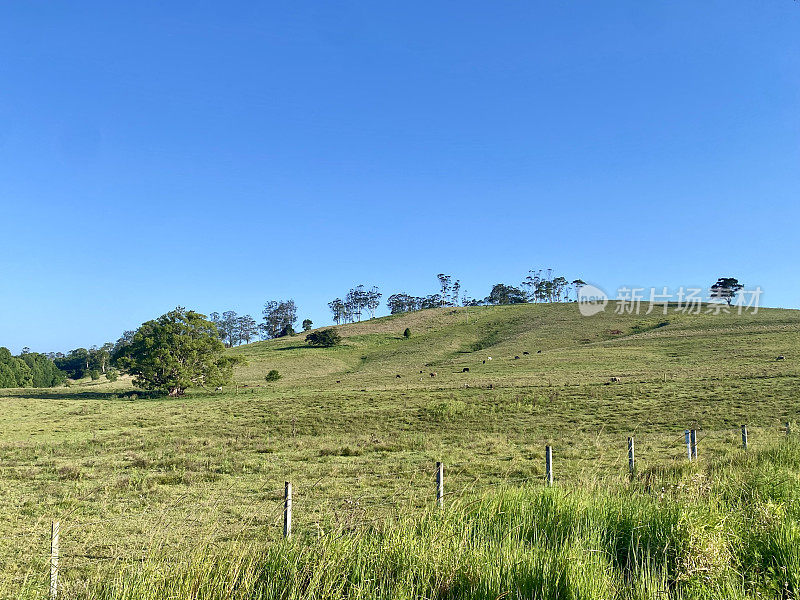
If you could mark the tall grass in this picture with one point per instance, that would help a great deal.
(722, 530)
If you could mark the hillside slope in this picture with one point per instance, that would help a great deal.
(563, 348)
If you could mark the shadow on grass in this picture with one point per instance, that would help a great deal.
(40, 394)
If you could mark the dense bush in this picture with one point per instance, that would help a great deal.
(28, 370)
(325, 338)
(273, 375)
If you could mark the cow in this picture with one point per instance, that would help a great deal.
(219, 389)
(465, 370)
(397, 376)
(525, 353)
(538, 352)
(781, 357)
(615, 379)
(433, 374)
(516, 358)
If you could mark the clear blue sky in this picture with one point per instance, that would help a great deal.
(217, 155)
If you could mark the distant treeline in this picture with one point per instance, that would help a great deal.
(278, 320)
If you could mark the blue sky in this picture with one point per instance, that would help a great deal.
(218, 155)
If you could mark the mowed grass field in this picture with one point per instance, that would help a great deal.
(131, 475)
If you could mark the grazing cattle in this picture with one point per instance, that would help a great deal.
(338, 381)
(466, 385)
(397, 376)
(538, 352)
(433, 374)
(420, 372)
(526, 352)
(219, 389)
(516, 358)
(615, 379)
(781, 357)
(465, 370)
(488, 358)
(490, 386)
(484, 362)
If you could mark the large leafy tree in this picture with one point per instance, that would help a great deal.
(179, 350)
(505, 294)
(726, 289)
(279, 318)
(13, 371)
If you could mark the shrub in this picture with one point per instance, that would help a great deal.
(94, 374)
(273, 375)
(407, 333)
(112, 375)
(325, 338)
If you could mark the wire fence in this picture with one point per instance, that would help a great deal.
(310, 506)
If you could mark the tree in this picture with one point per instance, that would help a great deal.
(577, 284)
(14, 372)
(324, 338)
(444, 283)
(407, 333)
(228, 327)
(356, 300)
(307, 324)
(247, 328)
(273, 375)
(726, 289)
(125, 339)
(99, 357)
(401, 302)
(278, 317)
(456, 288)
(337, 308)
(505, 294)
(179, 350)
(373, 300)
(44, 372)
(75, 364)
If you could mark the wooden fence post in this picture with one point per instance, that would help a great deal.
(744, 437)
(694, 444)
(631, 456)
(548, 464)
(440, 484)
(287, 511)
(688, 436)
(54, 561)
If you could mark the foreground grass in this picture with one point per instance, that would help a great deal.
(730, 529)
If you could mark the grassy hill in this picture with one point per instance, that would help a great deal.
(129, 474)
(564, 348)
